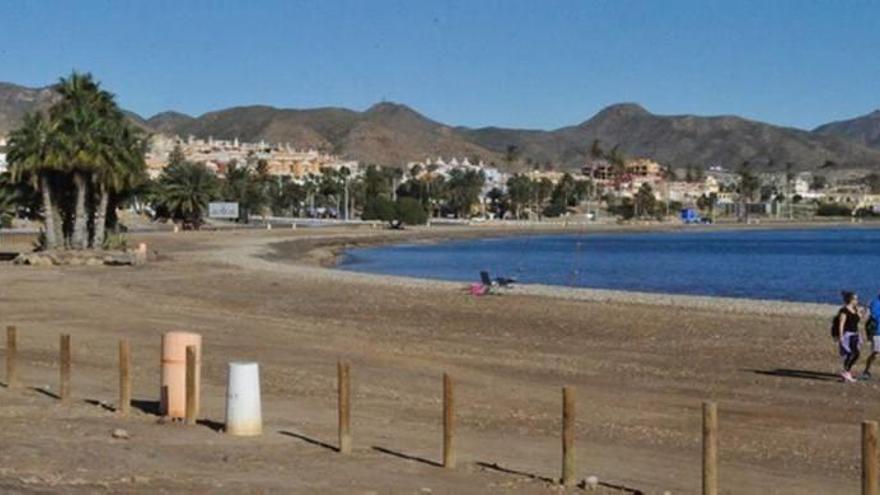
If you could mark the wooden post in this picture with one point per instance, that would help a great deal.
(344, 389)
(869, 458)
(191, 386)
(124, 404)
(448, 423)
(568, 451)
(11, 351)
(64, 389)
(710, 448)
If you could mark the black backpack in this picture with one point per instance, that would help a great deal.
(835, 326)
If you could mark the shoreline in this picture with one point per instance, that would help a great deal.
(641, 365)
(321, 257)
(428, 235)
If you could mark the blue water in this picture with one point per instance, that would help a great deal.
(793, 265)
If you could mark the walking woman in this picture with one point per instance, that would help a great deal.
(849, 341)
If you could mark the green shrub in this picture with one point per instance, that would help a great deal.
(410, 211)
(834, 210)
(115, 242)
(555, 210)
(379, 208)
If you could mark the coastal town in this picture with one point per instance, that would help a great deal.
(615, 187)
(608, 184)
(362, 248)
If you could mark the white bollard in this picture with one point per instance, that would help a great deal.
(268, 226)
(243, 409)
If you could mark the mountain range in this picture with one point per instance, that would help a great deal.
(864, 129)
(393, 134)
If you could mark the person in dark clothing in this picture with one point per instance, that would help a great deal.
(849, 342)
(872, 335)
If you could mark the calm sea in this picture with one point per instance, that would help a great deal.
(794, 265)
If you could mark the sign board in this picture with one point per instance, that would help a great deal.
(222, 210)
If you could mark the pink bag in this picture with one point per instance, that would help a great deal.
(478, 289)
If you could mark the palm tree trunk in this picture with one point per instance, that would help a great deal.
(48, 214)
(59, 225)
(80, 230)
(101, 219)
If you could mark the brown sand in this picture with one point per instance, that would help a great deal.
(640, 371)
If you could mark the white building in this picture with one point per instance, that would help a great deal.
(3, 164)
(494, 177)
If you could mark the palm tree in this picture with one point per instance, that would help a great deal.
(617, 160)
(311, 183)
(33, 157)
(186, 189)
(120, 168)
(82, 116)
(83, 140)
(17, 198)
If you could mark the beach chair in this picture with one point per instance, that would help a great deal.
(497, 282)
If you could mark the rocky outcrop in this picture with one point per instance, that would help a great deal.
(82, 258)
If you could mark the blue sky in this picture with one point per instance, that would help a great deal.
(536, 64)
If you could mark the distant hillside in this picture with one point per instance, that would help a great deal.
(393, 134)
(167, 122)
(16, 101)
(864, 129)
(386, 133)
(681, 140)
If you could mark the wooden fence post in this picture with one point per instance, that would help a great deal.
(568, 425)
(448, 422)
(64, 389)
(344, 405)
(124, 404)
(191, 386)
(710, 448)
(11, 354)
(869, 458)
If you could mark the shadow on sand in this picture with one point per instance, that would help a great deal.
(546, 479)
(803, 374)
(310, 440)
(46, 392)
(210, 423)
(408, 457)
(102, 405)
(146, 406)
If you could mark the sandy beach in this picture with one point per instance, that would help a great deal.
(641, 365)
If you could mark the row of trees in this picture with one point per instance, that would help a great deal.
(542, 197)
(184, 190)
(82, 158)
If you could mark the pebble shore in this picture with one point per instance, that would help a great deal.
(257, 256)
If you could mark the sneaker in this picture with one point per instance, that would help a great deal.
(865, 376)
(847, 377)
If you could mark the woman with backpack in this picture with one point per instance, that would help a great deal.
(873, 336)
(848, 338)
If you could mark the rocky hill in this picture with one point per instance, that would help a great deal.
(393, 134)
(167, 122)
(864, 129)
(15, 101)
(683, 139)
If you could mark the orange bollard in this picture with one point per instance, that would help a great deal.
(172, 401)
